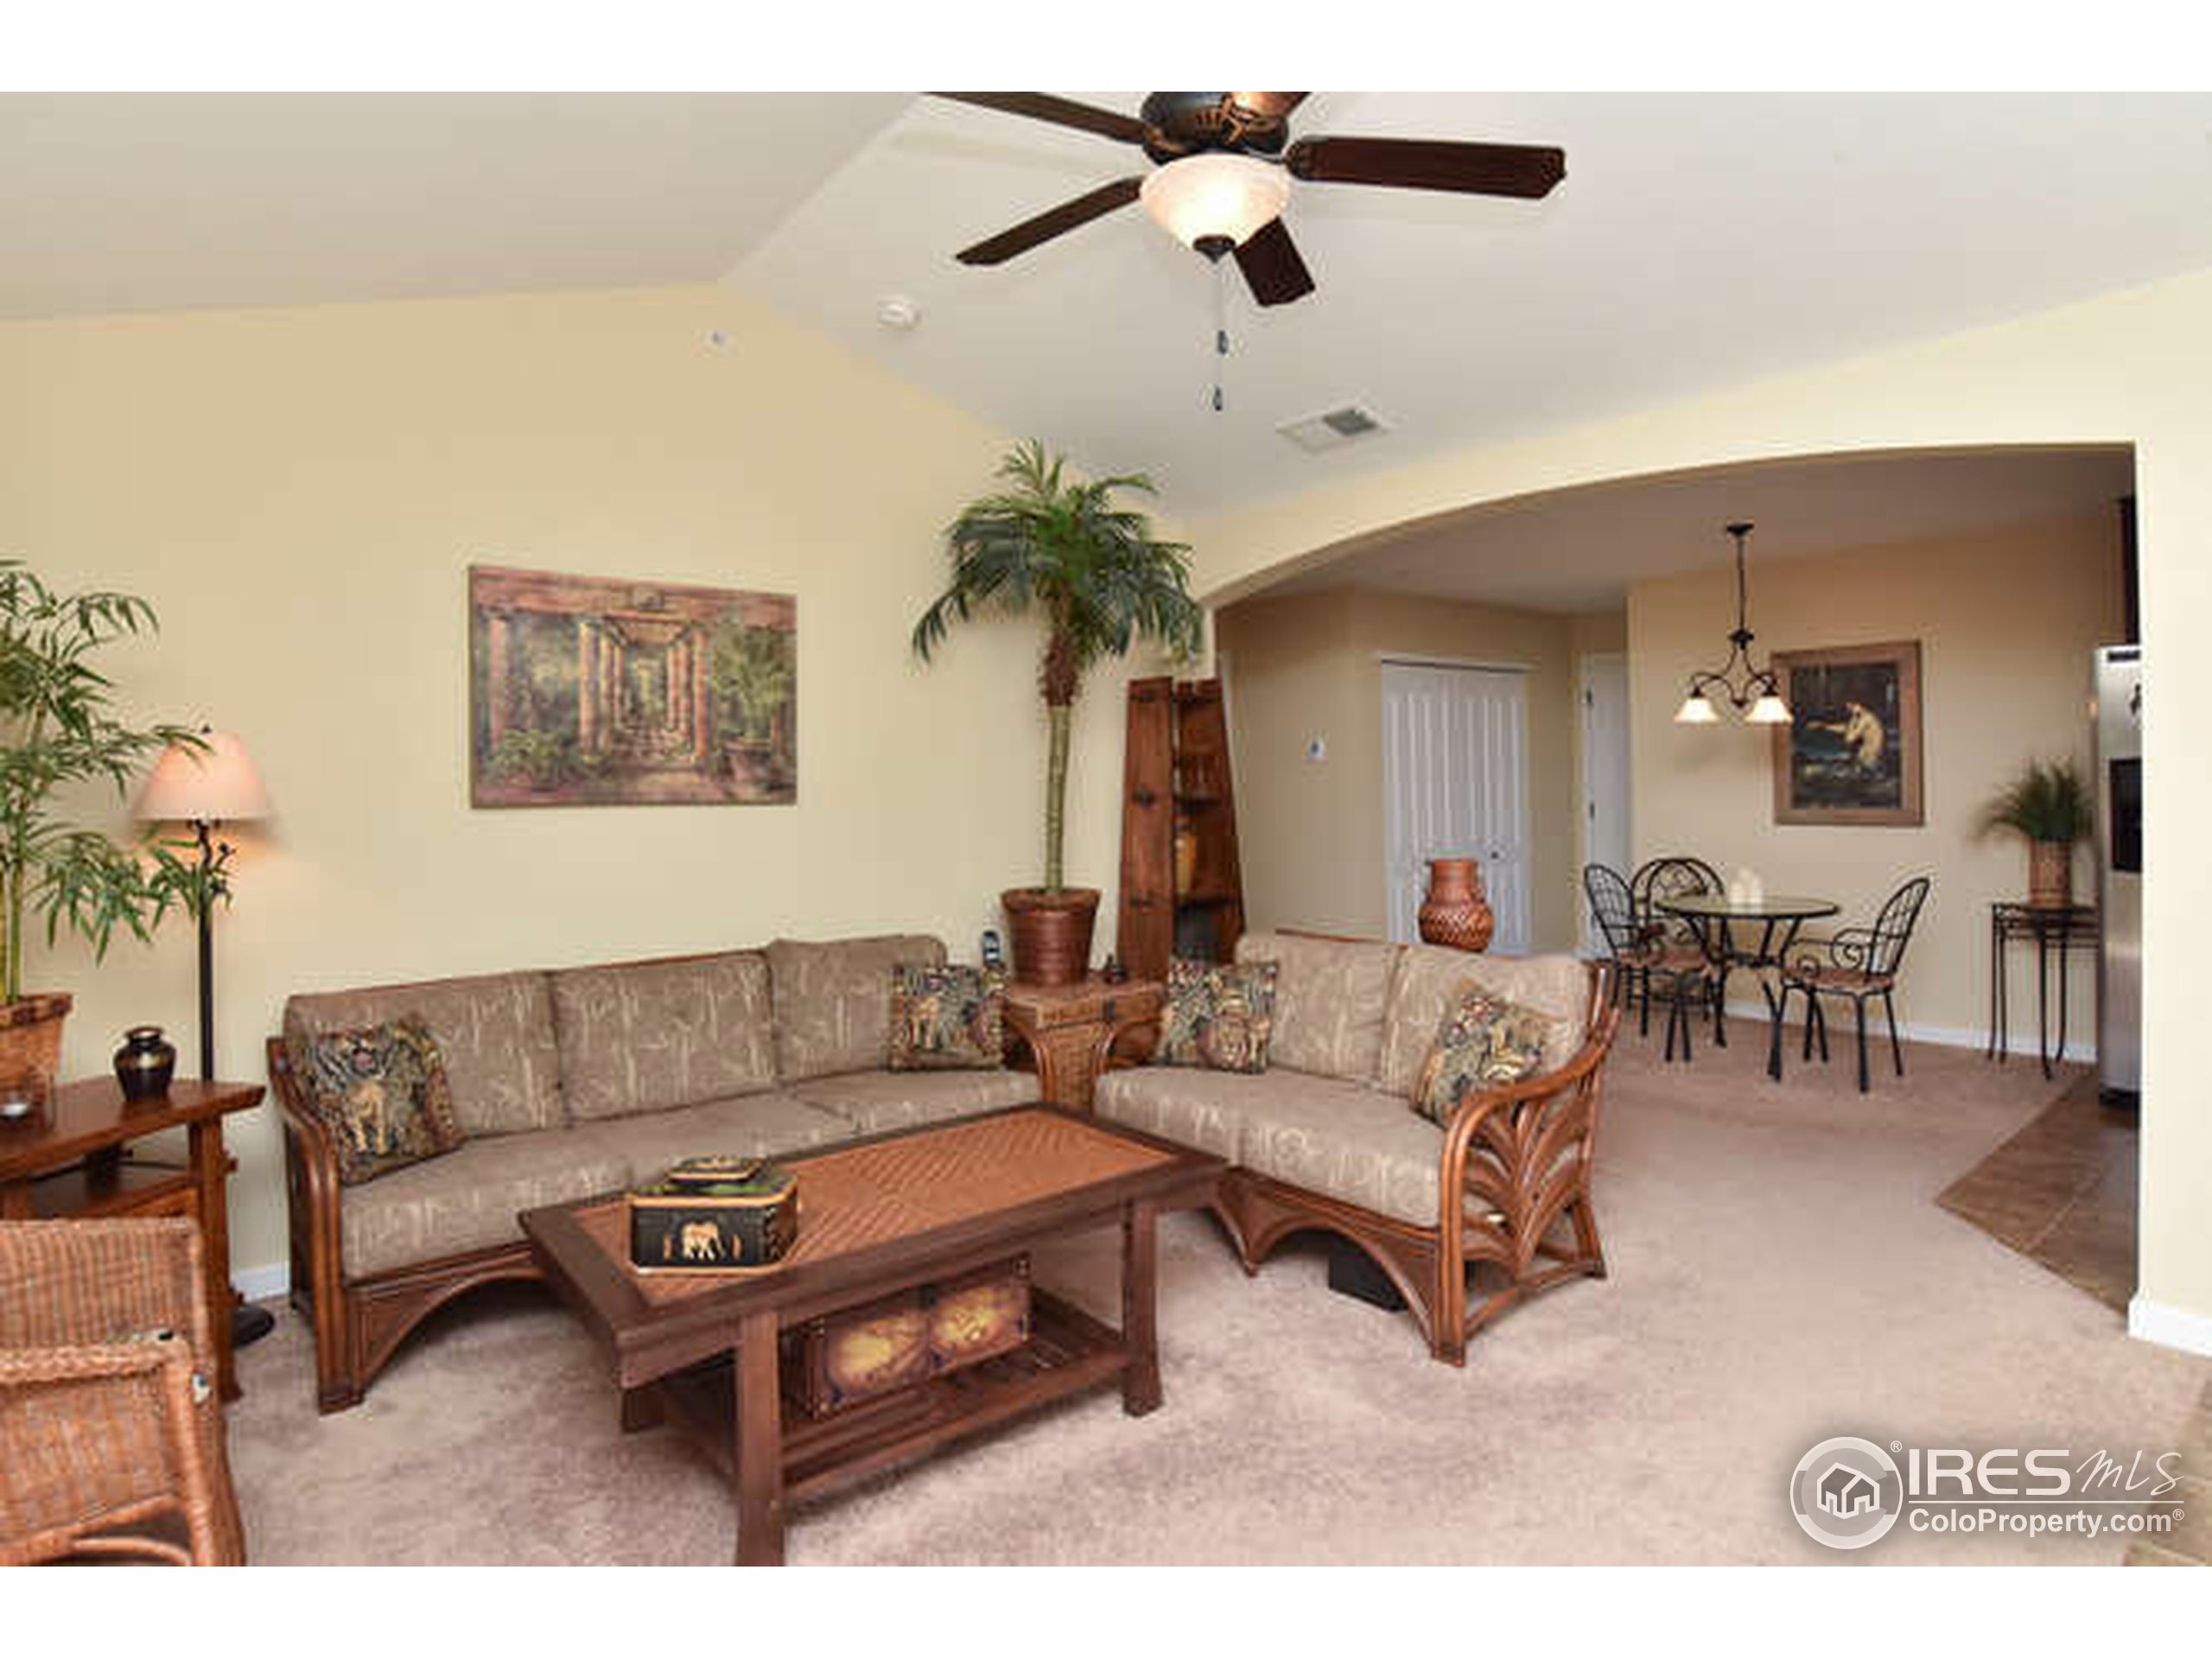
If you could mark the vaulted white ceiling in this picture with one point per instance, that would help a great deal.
(1697, 240)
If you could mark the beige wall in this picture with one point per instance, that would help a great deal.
(2124, 367)
(299, 494)
(1311, 833)
(2005, 624)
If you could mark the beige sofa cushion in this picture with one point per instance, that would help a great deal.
(751, 1125)
(647, 1036)
(872, 1100)
(468, 1199)
(1330, 998)
(494, 1033)
(1369, 1150)
(1211, 1110)
(832, 1001)
(1427, 985)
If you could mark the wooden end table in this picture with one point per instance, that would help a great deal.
(68, 1161)
(1071, 1030)
(879, 1216)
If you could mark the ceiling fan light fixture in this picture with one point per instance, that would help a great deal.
(1214, 194)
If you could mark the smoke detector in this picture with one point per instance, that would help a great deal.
(1334, 428)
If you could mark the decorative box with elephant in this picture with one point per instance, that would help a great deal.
(713, 1215)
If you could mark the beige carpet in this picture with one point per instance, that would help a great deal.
(1780, 1275)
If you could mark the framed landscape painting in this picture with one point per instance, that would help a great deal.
(605, 692)
(1851, 752)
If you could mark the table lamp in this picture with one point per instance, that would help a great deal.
(204, 787)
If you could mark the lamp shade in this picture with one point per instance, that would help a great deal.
(1696, 710)
(214, 786)
(1769, 710)
(1214, 194)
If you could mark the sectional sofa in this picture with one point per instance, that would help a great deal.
(1498, 1202)
(578, 1081)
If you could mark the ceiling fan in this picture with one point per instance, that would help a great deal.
(1224, 173)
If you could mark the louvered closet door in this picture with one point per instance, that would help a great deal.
(1455, 785)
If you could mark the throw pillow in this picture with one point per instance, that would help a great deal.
(381, 1091)
(947, 1019)
(1218, 1016)
(1483, 1043)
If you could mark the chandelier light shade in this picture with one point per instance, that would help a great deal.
(1214, 194)
(1751, 692)
(217, 786)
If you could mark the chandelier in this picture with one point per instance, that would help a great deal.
(1752, 692)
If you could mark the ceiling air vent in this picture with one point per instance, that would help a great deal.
(1334, 430)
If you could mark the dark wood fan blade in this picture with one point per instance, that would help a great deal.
(1061, 111)
(1053, 222)
(1277, 104)
(1528, 170)
(1272, 268)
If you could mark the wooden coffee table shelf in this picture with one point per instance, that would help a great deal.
(878, 1216)
(1067, 1352)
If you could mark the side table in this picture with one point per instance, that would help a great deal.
(1071, 1030)
(66, 1160)
(2061, 929)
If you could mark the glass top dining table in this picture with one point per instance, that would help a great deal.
(1774, 919)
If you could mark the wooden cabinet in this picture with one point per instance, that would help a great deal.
(1182, 887)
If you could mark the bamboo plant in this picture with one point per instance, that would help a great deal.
(1095, 570)
(57, 731)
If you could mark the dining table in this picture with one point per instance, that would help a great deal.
(1747, 933)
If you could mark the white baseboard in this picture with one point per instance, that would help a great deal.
(2169, 1327)
(2082, 1050)
(259, 1284)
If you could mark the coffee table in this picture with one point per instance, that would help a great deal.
(878, 1216)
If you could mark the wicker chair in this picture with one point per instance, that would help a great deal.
(1858, 962)
(108, 1412)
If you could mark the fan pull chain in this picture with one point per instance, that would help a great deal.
(1220, 330)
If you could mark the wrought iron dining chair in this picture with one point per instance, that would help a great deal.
(113, 1433)
(1642, 950)
(1859, 962)
(1614, 912)
(1678, 876)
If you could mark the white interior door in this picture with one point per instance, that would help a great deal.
(1455, 785)
(1605, 773)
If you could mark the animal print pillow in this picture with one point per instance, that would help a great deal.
(947, 1019)
(1484, 1043)
(381, 1092)
(1218, 1016)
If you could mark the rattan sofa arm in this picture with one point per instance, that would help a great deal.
(308, 1138)
(95, 1362)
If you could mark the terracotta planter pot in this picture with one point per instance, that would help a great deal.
(30, 1040)
(1051, 933)
(1456, 913)
(2051, 875)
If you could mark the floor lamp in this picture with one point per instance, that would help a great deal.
(206, 786)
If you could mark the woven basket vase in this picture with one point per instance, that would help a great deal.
(30, 1038)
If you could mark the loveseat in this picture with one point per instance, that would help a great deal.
(1325, 1137)
(578, 1081)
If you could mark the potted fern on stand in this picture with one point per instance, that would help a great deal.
(1101, 580)
(2049, 804)
(56, 732)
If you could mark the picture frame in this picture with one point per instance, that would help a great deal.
(1851, 752)
(617, 691)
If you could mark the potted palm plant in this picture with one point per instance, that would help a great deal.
(2048, 802)
(1060, 546)
(56, 731)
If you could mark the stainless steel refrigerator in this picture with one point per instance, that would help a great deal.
(2118, 719)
